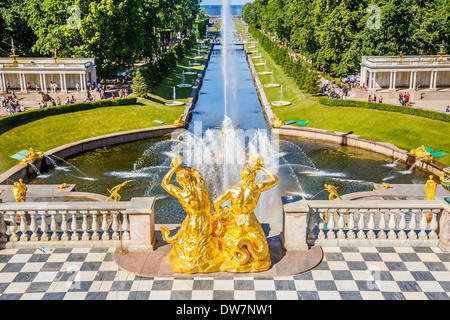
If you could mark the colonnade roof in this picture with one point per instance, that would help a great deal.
(46, 63)
(406, 61)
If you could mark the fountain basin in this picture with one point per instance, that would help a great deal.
(190, 73)
(271, 85)
(281, 103)
(264, 73)
(184, 85)
(174, 103)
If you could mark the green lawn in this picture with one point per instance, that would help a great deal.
(405, 131)
(50, 132)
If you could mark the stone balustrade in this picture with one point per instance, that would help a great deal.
(366, 223)
(78, 224)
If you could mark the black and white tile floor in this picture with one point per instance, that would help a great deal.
(344, 274)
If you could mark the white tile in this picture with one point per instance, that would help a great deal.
(223, 284)
(20, 258)
(183, 284)
(361, 274)
(402, 276)
(75, 296)
(331, 249)
(32, 267)
(329, 295)
(142, 285)
(81, 250)
(390, 257)
(428, 257)
(264, 285)
(404, 250)
(352, 256)
(117, 295)
(438, 275)
(58, 257)
(415, 296)
(45, 276)
(372, 295)
(305, 285)
(388, 286)
(244, 295)
(160, 295)
(32, 296)
(17, 287)
(201, 295)
(415, 266)
(430, 286)
(87, 275)
(285, 295)
(346, 285)
(337, 265)
(322, 274)
(95, 257)
(7, 276)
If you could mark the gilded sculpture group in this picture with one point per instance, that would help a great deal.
(230, 240)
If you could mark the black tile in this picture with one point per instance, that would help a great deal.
(265, 295)
(105, 276)
(203, 285)
(422, 276)
(12, 267)
(3, 286)
(382, 275)
(349, 249)
(445, 285)
(423, 249)
(139, 295)
(408, 286)
(341, 275)
(356, 265)
(90, 266)
(409, 257)
(284, 285)
(181, 295)
(444, 257)
(435, 266)
(54, 296)
(66, 276)
(79, 286)
(367, 285)
(334, 256)
(308, 295)
(11, 296)
(52, 266)
(25, 276)
(393, 296)
(322, 266)
(96, 296)
(98, 250)
(109, 257)
(39, 257)
(371, 256)
(4, 258)
(437, 295)
(386, 249)
(303, 276)
(62, 250)
(162, 285)
(38, 287)
(223, 295)
(244, 285)
(350, 295)
(25, 251)
(396, 266)
(76, 257)
(325, 285)
(121, 286)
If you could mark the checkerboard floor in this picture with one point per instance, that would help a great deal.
(344, 274)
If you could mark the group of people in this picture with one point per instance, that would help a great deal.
(374, 99)
(12, 104)
(340, 91)
(404, 99)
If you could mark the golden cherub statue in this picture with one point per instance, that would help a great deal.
(31, 157)
(333, 193)
(179, 122)
(277, 122)
(114, 192)
(386, 185)
(19, 190)
(231, 240)
(430, 188)
(63, 186)
(422, 153)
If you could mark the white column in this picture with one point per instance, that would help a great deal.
(61, 82)
(40, 80)
(411, 80)
(21, 82)
(65, 84)
(81, 82)
(431, 79)
(44, 80)
(435, 80)
(370, 80)
(25, 81)
(374, 82)
(415, 77)
(390, 80)
(2, 87)
(395, 79)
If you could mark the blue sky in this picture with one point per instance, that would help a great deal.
(219, 2)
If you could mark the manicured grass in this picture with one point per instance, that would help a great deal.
(53, 131)
(405, 131)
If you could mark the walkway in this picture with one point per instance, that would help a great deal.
(344, 274)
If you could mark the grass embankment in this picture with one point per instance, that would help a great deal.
(53, 131)
(405, 131)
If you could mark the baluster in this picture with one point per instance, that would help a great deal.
(412, 235)
(361, 234)
(382, 225)
(105, 226)
(44, 227)
(13, 227)
(33, 226)
(74, 227)
(371, 226)
(351, 225)
(115, 226)
(423, 226)
(64, 226)
(95, 227)
(84, 226)
(23, 226)
(330, 234)
(125, 227)
(433, 226)
(54, 226)
(341, 225)
(391, 233)
(402, 226)
(311, 225)
(3, 228)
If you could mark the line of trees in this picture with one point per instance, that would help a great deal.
(334, 34)
(117, 33)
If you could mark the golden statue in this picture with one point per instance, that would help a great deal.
(422, 153)
(445, 179)
(114, 192)
(19, 190)
(430, 188)
(231, 240)
(194, 249)
(277, 122)
(31, 157)
(63, 186)
(333, 193)
(179, 122)
(386, 185)
(242, 238)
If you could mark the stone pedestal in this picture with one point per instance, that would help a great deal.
(294, 226)
(142, 224)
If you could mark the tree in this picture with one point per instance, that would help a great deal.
(140, 87)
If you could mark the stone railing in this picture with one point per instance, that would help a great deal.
(375, 223)
(78, 224)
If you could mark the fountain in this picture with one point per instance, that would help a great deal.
(174, 102)
(183, 83)
(281, 102)
(272, 84)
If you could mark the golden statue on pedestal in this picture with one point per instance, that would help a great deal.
(231, 240)
(277, 122)
(19, 190)
(31, 157)
(332, 190)
(179, 122)
(114, 192)
(422, 153)
(430, 188)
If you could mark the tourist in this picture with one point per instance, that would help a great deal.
(8, 87)
(448, 109)
(58, 101)
(37, 88)
(113, 97)
(28, 87)
(68, 100)
(374, 98)
(380, 100)
(77, 86)
(370, 98)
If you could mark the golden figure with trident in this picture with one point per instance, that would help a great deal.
(114, 192)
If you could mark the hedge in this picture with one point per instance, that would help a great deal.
(386, 107)
(8, 122)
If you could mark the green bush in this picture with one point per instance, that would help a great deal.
(386, 107)
(8, 122)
